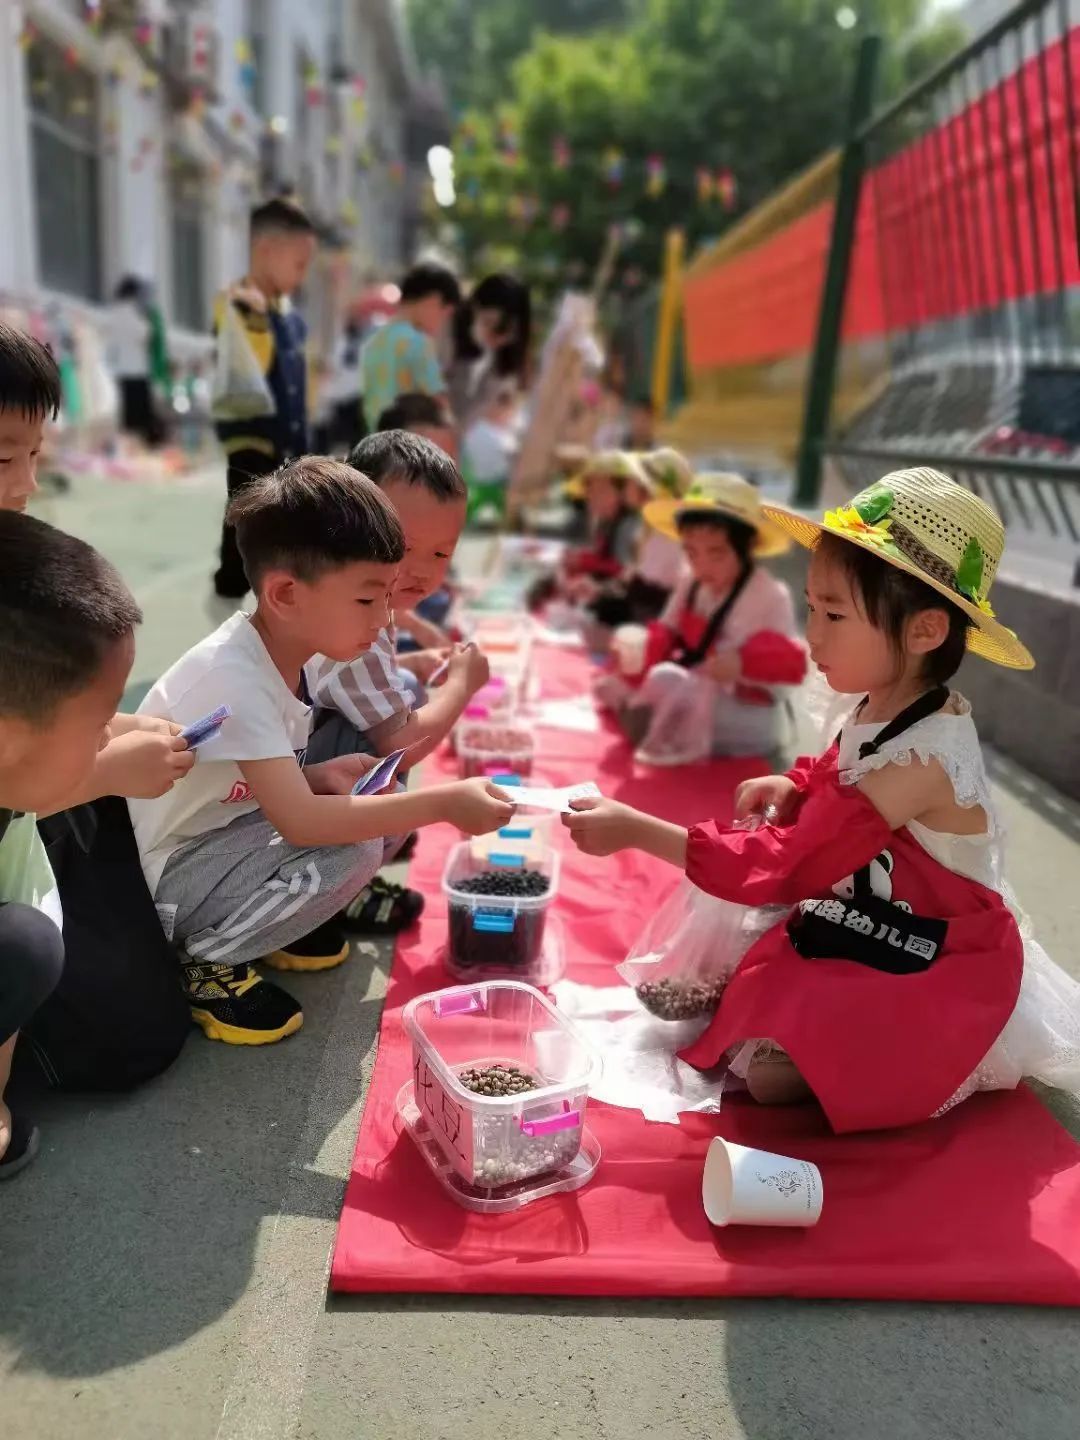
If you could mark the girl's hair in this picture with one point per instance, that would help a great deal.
(510, 296)
(742, 536)
(890, 596)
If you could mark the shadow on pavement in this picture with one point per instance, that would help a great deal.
(135, 1228)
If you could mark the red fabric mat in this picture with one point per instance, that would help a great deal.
(983, 1204)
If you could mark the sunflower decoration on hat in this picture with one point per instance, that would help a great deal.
(929, 526)
(612, 464)
(721, 494)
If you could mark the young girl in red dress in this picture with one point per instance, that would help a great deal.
(901, 978)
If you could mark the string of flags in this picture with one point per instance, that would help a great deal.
(712, 186)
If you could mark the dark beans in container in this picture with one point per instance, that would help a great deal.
(513, 950)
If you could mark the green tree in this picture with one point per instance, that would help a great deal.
(474, 43)
(754, 88)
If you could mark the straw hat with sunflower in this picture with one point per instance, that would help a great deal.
(929, 526)
(720, 494)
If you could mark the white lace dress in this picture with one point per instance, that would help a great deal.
(1041, 1040)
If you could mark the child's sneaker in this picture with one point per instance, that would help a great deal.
(321, 950)
(235, 1004)
(383, 908)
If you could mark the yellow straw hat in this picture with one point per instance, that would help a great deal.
(721, 494)
(929, 526)
(619, 464)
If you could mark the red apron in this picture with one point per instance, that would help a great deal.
(877, 1049)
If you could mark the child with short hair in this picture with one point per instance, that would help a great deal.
(282, 247)
(144, 756)
(66, 647)
(901, 979)
(420, 628)
(256, 855)
(402, 358)
(369, 701)
(422, 415)
(723, 650)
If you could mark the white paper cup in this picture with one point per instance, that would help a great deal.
(753, 1187)
(628, 643)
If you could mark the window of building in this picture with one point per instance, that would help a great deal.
(187, 205)
(64, 115)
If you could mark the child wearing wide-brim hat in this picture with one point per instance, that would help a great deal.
(641, 593)
(902, 977)
(724, 650)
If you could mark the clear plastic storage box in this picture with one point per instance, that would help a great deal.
(501, 935)
(494, 747)
(495, 1140)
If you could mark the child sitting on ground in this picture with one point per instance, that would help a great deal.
(421, 627)
(900, 981)
(367, 704)
(714, 663)
(614, 485)
(258, 852)
(66, 647)
(144, 756)
(644, 592)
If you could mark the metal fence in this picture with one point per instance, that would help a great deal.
(967, 189)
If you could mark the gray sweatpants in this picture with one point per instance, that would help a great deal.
(236, 894)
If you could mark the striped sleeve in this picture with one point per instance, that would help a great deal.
(369, 691)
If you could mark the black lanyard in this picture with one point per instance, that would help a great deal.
(920, 709)
(689, 658)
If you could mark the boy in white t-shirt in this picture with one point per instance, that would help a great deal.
(255, 855)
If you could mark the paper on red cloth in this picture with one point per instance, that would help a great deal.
(983, 1204)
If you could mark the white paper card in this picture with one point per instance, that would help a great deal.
(534, 797)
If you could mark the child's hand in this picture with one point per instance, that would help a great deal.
(338, 776)
(143, 764)
(725, 667)
(774, 793)
(423, 663)
(477, 806)
(582, 589)
(602, 827)
(470, 665)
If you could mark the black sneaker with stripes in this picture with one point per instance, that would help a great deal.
(383, 908)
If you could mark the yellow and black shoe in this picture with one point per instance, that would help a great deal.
(235, 1004)
(321, 950)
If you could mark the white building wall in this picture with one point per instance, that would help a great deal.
(139, 132)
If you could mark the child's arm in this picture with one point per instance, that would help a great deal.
(603, 827)
(427, 727)
(308, 821)
(838, 831)
(138, 763)
(421, 630)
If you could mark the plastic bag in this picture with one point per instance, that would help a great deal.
(239, 390)
(690, 949)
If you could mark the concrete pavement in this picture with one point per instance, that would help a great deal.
(163, 1264)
